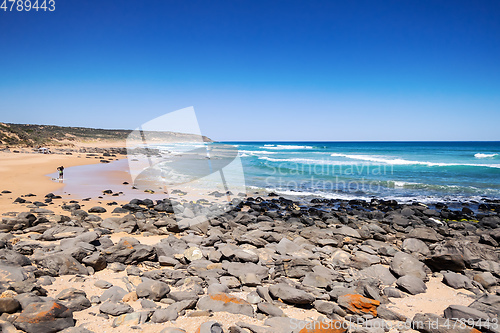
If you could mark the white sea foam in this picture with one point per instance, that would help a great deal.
(305, 161)
(288, 147)
(401, 199)
(258, 152)
(340, 196)
(400, 161)
(481, 155)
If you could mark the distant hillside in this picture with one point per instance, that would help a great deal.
(21, 135)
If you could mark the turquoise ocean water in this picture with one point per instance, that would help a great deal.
(405, 171)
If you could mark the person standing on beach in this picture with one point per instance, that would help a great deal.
(61, 172)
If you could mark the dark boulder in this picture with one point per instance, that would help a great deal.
(47, 317)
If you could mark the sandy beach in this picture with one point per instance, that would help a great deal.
(26, 173)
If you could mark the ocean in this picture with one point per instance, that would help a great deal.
(427, 172)
(404, 171)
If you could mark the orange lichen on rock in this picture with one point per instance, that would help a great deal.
(128, 245)
(358, 304)
(41, 316)
(227, 298)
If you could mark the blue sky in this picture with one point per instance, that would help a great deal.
(259, 70)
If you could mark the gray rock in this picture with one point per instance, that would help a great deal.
(9, 305)
(346, 231)
(167, 261)
(117, 267)
(170, 246)
(486, 279)
(74, 299)
(405, 264)
(183, 296)
(284, 325)
(7, 327)
(407, 211)
(115, 309)
(425, 233)
(488, 303)
(290, 294)
(172, 312)
(414, 245)
(455, 255)
(430, 323)
(217, 288)
(270, 310)
(401, 221)
(253, 298)
(324, 307)
(113, 294)
(286, 247)
(129, 251)
(61, 264)
(95, 260)
(411, 284)
(11, 273)
(97, 209)
(237, 269)
(362, 259)
(148, 304)
(384, 313)
(488, 266)
(457, 281)
(45, 317)
(130, 319)
(394, 292)
(46, 280)
(103, 284)
(250, 279)
(164, 315)
(466, 313)
(317, 280)
(341, 258)
(338, 291)
(12, 257)
(60, 232)
(230, 281)
(155, 290)
(76, 249)
(246, 256)
(382, 273)
(263, 292)
(28, 298)
(225, 303)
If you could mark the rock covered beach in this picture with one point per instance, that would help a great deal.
(267, 264)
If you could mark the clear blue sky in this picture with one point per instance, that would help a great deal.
(259, 70)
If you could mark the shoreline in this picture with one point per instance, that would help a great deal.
(27, 172)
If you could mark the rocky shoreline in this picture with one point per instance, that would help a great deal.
(344, 261)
